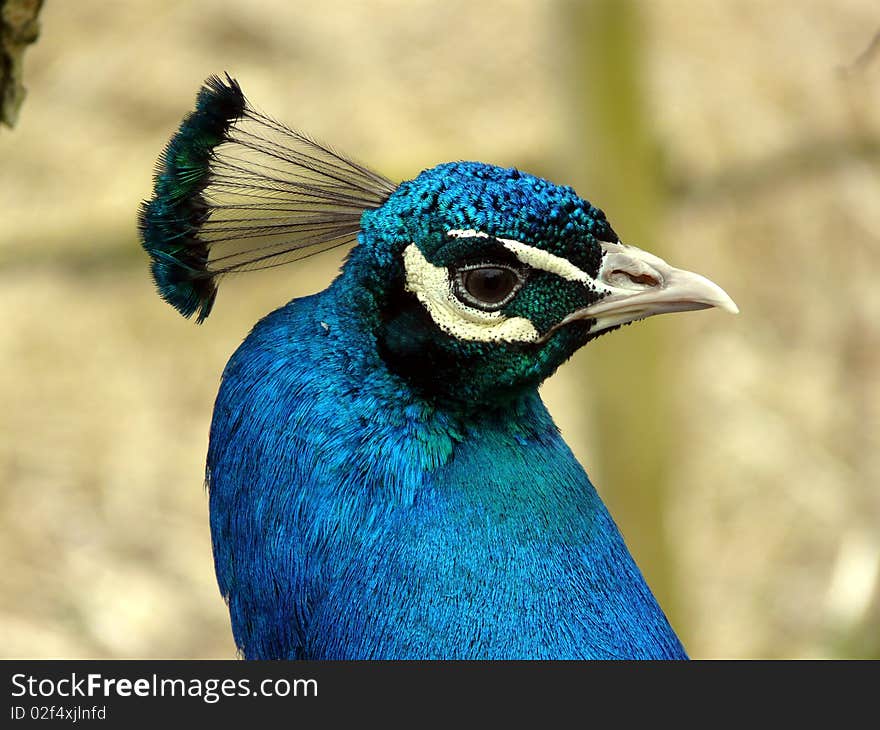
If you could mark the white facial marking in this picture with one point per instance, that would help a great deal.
(538, 258)
(469, 233)
(432, 287)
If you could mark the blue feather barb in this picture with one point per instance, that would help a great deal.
(236, 190)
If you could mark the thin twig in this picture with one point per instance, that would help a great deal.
(864, 59)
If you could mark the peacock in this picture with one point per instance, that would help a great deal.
(384, 480)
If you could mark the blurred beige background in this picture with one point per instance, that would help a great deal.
(761, 531)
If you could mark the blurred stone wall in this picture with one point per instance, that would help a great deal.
(769, 138)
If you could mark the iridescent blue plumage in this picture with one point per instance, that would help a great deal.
(384, 479)
(352, 519)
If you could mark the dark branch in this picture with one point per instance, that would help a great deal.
(18, 28)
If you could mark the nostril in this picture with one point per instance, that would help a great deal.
(641, 279)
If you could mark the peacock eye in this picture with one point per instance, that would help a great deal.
(487, 287)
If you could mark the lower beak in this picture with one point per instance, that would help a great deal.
(637, 284)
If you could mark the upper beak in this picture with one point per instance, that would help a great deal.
(638, 284)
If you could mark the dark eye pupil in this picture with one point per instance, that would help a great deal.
(489, 285)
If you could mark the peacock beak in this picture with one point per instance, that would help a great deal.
(637, 284)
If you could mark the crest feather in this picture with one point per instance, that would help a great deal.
(236, 190)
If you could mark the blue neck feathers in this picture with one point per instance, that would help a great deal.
(352, 518)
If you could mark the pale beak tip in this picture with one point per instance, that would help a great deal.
(729, 305)
(714, 295)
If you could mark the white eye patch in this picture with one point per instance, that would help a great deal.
(433, 288)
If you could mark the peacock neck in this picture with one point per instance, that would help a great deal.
(357, 340)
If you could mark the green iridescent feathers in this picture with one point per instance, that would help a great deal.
(236, 191)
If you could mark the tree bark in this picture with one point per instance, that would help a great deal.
(19, 27)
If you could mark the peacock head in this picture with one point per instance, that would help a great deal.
(489, 278)
(476, 281)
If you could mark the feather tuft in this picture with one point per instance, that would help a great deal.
(236, 190)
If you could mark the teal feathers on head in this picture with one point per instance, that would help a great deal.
(235, 191)
(473, 295)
